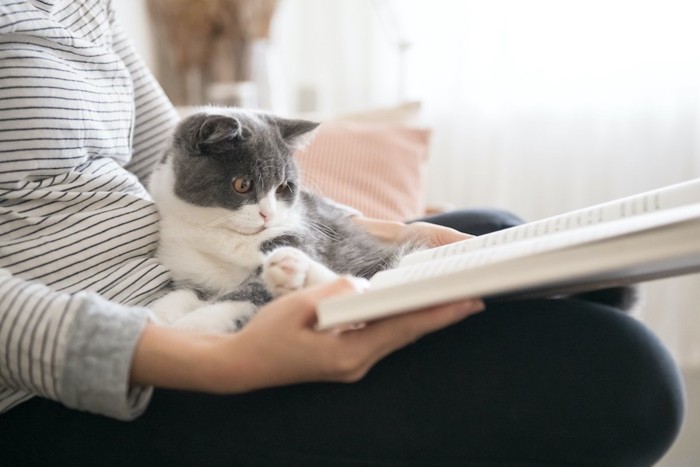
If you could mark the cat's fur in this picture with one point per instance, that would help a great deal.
(230, 252)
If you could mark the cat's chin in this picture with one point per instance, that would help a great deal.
(247, 230)
(251, 231)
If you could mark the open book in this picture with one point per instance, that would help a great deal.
(647, 236)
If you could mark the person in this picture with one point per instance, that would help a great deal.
(538, 382)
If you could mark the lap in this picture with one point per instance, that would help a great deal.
(555, 382)
(560, 382)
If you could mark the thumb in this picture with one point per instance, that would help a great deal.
(341, 285)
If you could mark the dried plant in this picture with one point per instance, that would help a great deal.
(210, 36)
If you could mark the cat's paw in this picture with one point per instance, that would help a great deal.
(285, 270)
(173, 306)
(224, 316)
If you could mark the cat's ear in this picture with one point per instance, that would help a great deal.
(215, 130)
(296, 133)
(205, 132)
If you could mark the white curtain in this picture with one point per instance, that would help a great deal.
(538, 106)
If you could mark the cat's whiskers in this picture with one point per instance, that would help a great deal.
(321, 228)
(220, 220)
(310, 184)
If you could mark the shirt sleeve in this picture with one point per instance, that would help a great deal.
(73, 348)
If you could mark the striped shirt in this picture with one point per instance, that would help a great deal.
(82, 122)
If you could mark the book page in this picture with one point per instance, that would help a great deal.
(668, 248)
(532, 246)
(664, 198)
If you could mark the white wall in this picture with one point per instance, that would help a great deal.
(314, 64)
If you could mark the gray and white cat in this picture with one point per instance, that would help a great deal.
(237, 229)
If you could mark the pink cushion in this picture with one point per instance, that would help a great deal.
(376, 169)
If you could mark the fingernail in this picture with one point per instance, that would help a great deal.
(474, 306)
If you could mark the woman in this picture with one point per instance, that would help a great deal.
(561, 382)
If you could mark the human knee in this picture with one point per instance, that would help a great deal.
(641, 386)
(601, 387)
(656, 401)
(477, 221)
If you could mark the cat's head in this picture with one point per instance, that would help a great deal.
(239, 161)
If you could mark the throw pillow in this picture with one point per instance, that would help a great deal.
(376, 169)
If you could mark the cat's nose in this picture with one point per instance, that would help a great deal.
(267, 207)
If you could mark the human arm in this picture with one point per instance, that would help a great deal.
(72, 348)
(280, 346)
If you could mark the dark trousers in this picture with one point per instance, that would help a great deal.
(526, 383)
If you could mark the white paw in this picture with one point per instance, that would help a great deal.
(218, 317)
(174, 305)
(285, 270)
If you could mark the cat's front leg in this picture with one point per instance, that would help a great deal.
(225, 316)
(174, 305)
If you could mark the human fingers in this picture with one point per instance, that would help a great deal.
(445, 235)
(434, 235)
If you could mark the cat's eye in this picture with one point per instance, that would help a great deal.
(242, 185)
(283, 188)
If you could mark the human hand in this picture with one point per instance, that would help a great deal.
(430, 234)
(281, 346)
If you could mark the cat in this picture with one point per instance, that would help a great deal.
(237, 228)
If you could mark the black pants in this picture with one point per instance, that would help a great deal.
(530, 383)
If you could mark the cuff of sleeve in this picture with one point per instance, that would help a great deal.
(101, 345)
